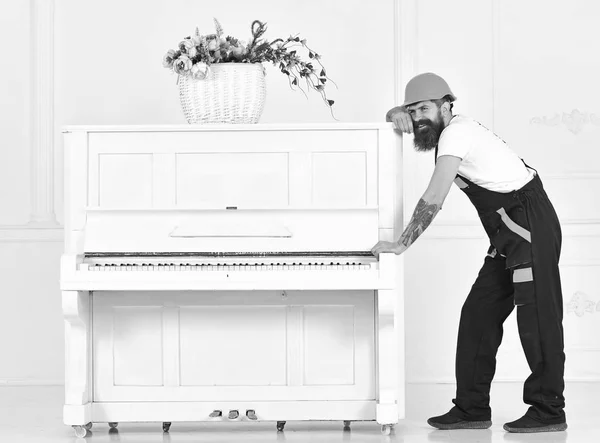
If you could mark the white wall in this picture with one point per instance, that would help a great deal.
(527, 70)
(509, 69)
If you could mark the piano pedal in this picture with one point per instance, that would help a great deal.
(233, 414)
(216, 413)
(251, 414)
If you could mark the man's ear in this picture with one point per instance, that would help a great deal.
(446, 108)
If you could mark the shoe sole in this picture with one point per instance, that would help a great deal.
(545, 428)
(484, 424)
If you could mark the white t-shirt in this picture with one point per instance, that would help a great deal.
(487, 160)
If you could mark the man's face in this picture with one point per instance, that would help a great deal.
(428, 124)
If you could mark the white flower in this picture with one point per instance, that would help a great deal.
(213, 45)
(182, 65)
(192, 52)
(186, 45)
(168, 59)
(200, 71)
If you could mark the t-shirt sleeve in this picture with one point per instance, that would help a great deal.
(455, 141)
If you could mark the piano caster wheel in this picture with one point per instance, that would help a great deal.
(386, 429)
(80, 431)
(166, 426)
(88, 426)
(113, 425)
(251, 414)
(215, 413)
(280, 426)
(233, 414)
(347, 425)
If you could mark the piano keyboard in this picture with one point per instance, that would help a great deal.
(230, 263)
(234, 267)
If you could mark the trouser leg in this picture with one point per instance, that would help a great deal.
(539, 316)
(487, 306)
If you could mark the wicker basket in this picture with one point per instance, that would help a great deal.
(231, 93)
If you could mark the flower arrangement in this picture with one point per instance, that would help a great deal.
(194, 56)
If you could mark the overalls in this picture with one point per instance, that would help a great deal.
(521, 269)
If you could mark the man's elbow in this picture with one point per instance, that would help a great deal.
(435, 198)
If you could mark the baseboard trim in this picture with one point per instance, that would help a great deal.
(27, 382)
(506, 380)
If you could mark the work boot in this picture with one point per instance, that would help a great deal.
(527, 424)
(449, 421)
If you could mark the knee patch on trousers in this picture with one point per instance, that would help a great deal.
(523, 284)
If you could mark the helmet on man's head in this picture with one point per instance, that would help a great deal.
(427, 86)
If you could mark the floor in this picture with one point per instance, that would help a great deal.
(34, 414)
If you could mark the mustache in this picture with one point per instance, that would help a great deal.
(425, 121)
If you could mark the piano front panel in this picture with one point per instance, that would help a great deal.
(233, 345)
(245, 169)
(339, 179)
(122, 180)
(221, 179)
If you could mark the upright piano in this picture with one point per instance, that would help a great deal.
(223, 273)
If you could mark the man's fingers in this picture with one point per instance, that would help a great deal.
(407, 125)
(403, 122)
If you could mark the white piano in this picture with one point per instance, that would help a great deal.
(223, 273)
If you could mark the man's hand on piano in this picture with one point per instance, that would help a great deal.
(388, 246)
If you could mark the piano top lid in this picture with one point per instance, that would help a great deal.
(229, 127)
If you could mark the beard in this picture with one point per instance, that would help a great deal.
(427, 137)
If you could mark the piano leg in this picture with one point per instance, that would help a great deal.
(78, 390)
(387, 361)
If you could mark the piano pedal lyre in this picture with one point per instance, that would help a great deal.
(251, 414)
(233, 414)
(216, 413)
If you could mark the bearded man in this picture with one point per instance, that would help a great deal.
(520, 269)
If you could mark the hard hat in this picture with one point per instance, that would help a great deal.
(427, 86)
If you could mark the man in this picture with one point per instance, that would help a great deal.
(520, 269)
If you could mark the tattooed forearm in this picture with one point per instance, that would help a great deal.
(423, 216)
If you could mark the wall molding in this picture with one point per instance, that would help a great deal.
(30, 233)
(406, 51)
(10, 382)
(429, 381)
(575, 121)
(576, 175)
(42, 225)
(42, 114)
(460, 230)
(406, 45)
(495, 26)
